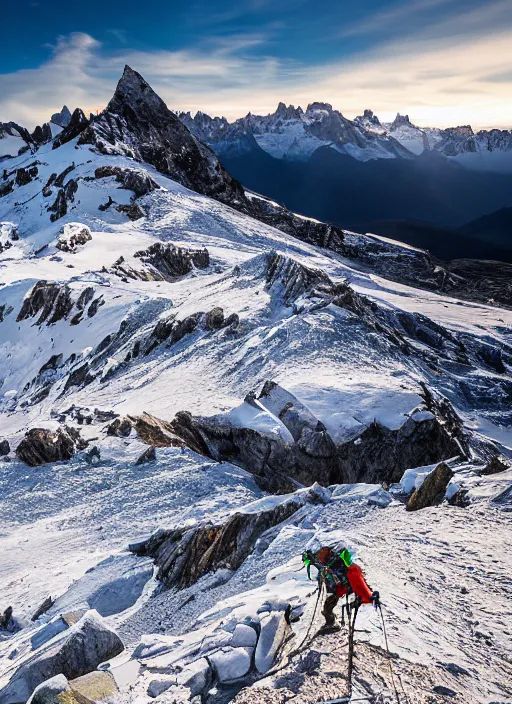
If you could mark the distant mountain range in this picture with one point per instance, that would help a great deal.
(420, 185)
(294, 134)
(368, 175)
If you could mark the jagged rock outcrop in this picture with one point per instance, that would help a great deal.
(433, 489)
(59, 207)
(184, 555)
(171, 261)
(76, 125)
(73, 235)
(73, 653)
(25, 175)
(147, 456)
(41, 445)
(376, 454)
(133, 211)
(42, 134)
(136, 180)
(51, 301)
(6, 188)
(137, 123)
(495, 466)
(120, 427)
(154, 431)
(62, 118)
(5, 448)
(312, 231)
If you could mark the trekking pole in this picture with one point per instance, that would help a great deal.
(389, 655)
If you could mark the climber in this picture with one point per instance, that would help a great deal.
(341, 577)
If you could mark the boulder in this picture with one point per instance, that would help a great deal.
(244, 636)
(133, 211)
(156, 687)
(136, 180)
(197, 677)
(231, 664)
(56, 690)
(73, 653)
(274, 629)
(73, 235)
(94, 687)
(41, 445)
(5, 448)
(148, 455)
(214, 319)
(433, 489)
(7, 622)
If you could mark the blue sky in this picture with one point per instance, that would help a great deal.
(443, 61)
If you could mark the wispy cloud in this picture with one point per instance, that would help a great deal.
(458, 72)
(395, 16)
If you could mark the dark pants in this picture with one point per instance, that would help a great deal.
(328, 611)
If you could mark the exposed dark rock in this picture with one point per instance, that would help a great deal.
(433, 489)
(105, 206)
(460, 499)
(95, 305)
(148, 455)
(132, 211)
(79, 377)
(381, 454)
(155, 432)
(120, 427)
(136, 180)
(75, 127)
(52, 364)
(85, 297)
(7, 621)
(186, 554)
(70, 189)
(42, 134)
(137, 117)
(169, 261)
(52, 301)
(40, 445)
(47, 190)
(267, 457)
(214, 319)
(59, 207)
(291, 279)
(59, 180)
(26, 175)
(6, 188)
(73, 235)
(5, 448)
(92, 456)
(317, 233)
(43, 608)
(495, 465)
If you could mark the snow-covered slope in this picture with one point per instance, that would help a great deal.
(168, 361)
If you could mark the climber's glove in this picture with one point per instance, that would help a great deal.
(375, 599)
